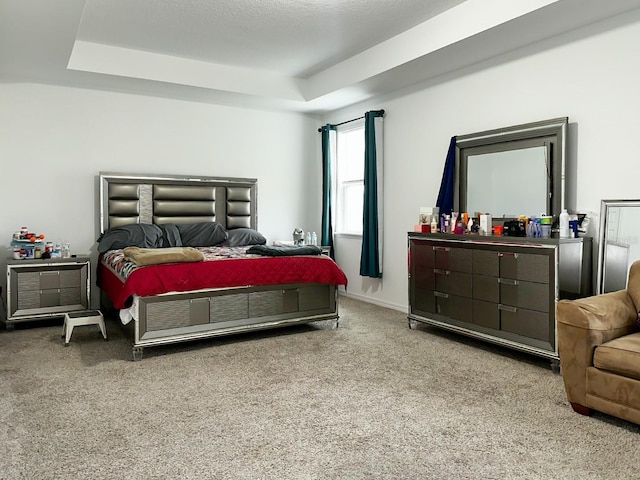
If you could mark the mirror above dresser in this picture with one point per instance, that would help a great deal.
(512, 171)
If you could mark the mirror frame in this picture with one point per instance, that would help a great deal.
(605, 205)
(552, 133)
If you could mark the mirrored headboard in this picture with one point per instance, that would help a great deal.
(512, 171)
(159, 199)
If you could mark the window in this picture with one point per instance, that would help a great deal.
(349, 178)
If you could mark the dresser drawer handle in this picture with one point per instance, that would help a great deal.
(439, 271)
(507, 281)
(444, 249)
(507, 308)
(440, 294)
(508, 254)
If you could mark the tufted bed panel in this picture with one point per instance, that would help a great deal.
(127, 199)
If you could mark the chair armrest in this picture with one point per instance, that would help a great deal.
(585, 323)
(606, 312)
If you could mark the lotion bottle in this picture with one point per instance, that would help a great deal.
(564, 224)
(434, 224)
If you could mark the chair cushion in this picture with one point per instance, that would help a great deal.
(620, 355)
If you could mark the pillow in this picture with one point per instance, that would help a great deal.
(135, 235)
(170, 235)
(205, 234)
(239, 237)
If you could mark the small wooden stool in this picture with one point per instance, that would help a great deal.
(87, 317)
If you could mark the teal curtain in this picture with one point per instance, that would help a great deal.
(370, 257)
(327, 207)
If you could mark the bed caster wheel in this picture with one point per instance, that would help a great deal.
(413, 324)
(555, 367)
(137, 354)
(66, 344)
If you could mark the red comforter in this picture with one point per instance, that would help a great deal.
(231, 272)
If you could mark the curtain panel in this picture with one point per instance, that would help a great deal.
(372, 232)
(328, 148)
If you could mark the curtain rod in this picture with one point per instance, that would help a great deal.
(353, 120)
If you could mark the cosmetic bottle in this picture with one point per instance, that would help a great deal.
(564, 224)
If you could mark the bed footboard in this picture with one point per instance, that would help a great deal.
(179, 317)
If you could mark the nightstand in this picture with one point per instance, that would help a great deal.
(38, 289)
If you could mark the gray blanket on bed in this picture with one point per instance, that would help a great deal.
(284, 251)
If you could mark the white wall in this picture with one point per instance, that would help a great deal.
(55, 140)
(592, 76)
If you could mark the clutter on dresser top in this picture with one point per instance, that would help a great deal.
(565, 225)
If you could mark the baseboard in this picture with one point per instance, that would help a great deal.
(364, 298)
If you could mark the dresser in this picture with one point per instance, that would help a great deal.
(499, 289)
(38, 289)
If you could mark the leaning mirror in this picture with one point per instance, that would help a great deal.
(619, 243)
(512, 171)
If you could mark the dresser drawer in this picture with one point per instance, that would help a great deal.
(424, 278)
(486, 288)
(529, 295)
(452, 306)
(527, 323)
(525, 266)
(486, 263)
(486, 314)
(423, 302)
(454, 283)
(422, 255)
(453, 259)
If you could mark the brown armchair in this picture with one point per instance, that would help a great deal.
(599, 348)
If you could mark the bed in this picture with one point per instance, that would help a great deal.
(179, 288)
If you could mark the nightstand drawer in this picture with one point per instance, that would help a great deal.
(38, 280)
(49, 279)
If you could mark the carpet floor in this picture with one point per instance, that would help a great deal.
(369, 400)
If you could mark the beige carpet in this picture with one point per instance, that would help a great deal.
(371, 399)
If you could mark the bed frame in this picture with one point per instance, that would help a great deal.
(177, 317)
